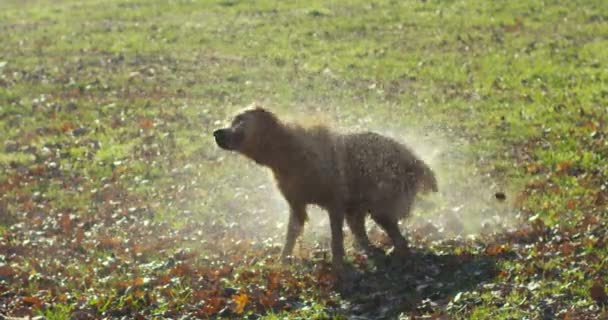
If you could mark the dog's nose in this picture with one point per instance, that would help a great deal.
(220, 138)
(220, 134)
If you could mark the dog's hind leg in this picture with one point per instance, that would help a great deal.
(391, 226)
(387, 216)
(356, 223)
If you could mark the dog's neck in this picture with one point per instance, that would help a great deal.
(279, 149)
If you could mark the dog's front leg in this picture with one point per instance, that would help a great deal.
(297, 217)
(336, 220)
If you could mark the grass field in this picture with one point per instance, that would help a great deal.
(116, 203)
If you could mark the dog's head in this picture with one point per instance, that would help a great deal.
(249, 132)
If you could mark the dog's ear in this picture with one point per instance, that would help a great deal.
(268, 119)
(255, 106)
(265, 112)
(260, 108)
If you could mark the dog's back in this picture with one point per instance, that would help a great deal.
(380, 168)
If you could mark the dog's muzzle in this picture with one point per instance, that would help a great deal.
(221, 138)
(228, 138)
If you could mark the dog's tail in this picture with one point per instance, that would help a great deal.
(427, 181)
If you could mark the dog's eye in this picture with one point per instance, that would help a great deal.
(238, 120)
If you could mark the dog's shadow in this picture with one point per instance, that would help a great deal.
(416, 285)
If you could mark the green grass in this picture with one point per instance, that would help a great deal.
(109, 174)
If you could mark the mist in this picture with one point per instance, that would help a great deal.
(466, 205)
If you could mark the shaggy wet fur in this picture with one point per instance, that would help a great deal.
(349, 175)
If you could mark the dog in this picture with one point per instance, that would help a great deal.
(349, 175)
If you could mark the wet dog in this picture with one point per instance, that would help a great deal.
(349, 175)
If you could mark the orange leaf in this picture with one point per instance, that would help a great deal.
(62, 298)
(138, 282)
(241, 301)
(274, 279)
(567, 248)
(538, 184)
(534, 168)
(515, 27)
(32, 301)
(146, 124)
(591, 125)
(270, 299)
(497, 249)
(6, 271)
(164, 279)
(66, 223)
(325, 277)
(563, 166)
(180, 270)
(212, 305)
(139, 293)
(67, 127)
(246, 275)
(600, 198)
(590, 220)
(109, 242)
(571, 204)
(223, 271)
(79, 235)
(538, 226)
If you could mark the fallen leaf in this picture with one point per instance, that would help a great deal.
(180, 270)
(270, 299)
(32, 301)
(109, 242)
(6, 271)
(567, 248)
(240, 301)
(66, 223)
(146, 124)
(274, 279)
(534, 168)
(67, 127)
(497, 249)
(138, 281)
(598, 293)
(571, 204)
(563, 166)
(212, 305)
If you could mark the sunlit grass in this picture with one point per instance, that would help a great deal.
(107, 161)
